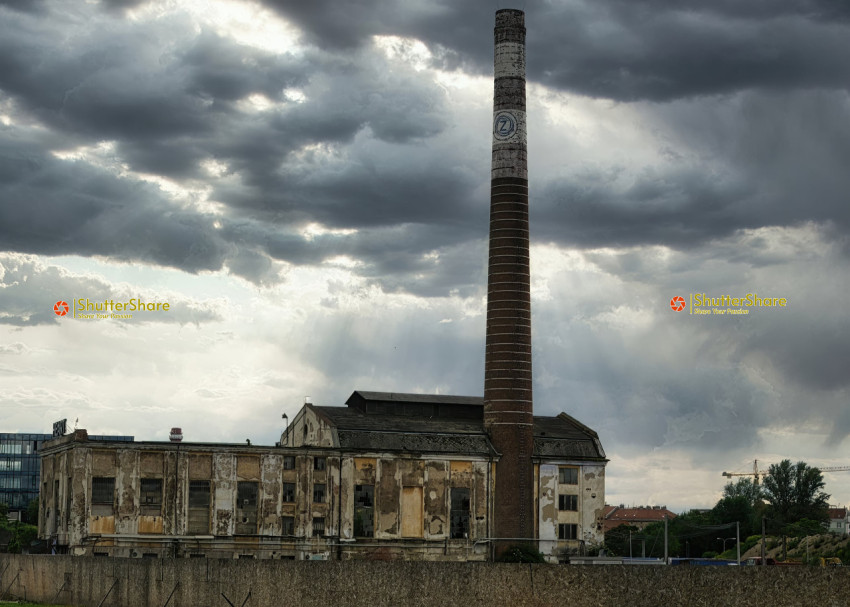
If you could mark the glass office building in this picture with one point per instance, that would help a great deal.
(20, 468)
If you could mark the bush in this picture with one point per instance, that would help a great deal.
(521, 553)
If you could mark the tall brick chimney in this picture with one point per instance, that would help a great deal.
(508, 412)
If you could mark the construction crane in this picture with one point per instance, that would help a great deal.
(759, 473)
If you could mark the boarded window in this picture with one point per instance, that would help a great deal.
(412, 521)
(289, 462)
(246, 507)
(568, 476)
(364, 510)
(199, 507)
(460, 513)
(287, 525)
(319, 463)
(319, 493)
(567, 532)
(102, 495)
(319, 525)
(568, 502)
(150, 500)
(288, 493)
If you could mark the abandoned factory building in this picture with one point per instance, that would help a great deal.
(389, 476)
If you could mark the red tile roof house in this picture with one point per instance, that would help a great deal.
(640, 516)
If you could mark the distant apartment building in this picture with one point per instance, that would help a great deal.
(19, 469)
(638, 516)
(839, 521)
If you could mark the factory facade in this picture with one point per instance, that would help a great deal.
(389, 476)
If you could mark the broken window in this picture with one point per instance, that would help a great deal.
(199, 507)
(246, 507)
(289, 462)
(287, 525)
(319, 526)
(364, 510)
(319, 493)
(460, 513)
(288, 493)
(102, 495)
(319, 463)
(567, 532)
(150, 500)
(568, 476)
(568, 502)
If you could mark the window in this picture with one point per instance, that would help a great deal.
(412, 507)
(199, 507)
(568, 476)
(288, 493)
(102, 495)
(568, 502)
(567, 532)
(319, 526)
(151, 497)
(10, 464)
(364, 510)
(289, 462)
(246, 507)
(319, 463)
(460, 513)
(287, 525)
(10, 448)
(319, 493)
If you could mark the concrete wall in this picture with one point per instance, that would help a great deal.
(201, 582)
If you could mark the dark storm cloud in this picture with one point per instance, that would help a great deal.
(625, 50)
(761, 160)
(57, 207)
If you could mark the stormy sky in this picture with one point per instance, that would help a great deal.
(307, 184)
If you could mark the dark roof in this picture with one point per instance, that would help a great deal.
(354, 419)
(401, 397)
(358, 430)
(565, 437)
(403, 429)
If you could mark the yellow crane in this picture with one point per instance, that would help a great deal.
(759, 473)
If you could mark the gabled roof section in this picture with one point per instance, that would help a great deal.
(565, 437)
(417, 405)
(382, 432)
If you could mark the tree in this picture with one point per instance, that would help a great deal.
(744, 487)
(795, 492)
(617, 539)
(735, 509)
(32, 512)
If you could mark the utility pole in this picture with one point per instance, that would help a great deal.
(665, 540)
(738, 540)
(762, 542)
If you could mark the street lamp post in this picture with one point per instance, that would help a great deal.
(724, 540)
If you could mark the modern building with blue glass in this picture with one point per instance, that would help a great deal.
(19, 469)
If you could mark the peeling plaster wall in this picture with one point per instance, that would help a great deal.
(590, 492)
(416, 527)
(309, 428)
